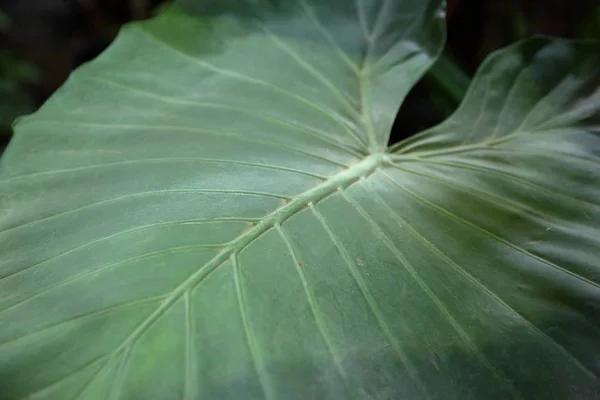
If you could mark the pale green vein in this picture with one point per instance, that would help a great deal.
(491, 235)
(105, 267)
(374, 33)
(465, 337)
(189, 392)
(371, 302)
(563, 109)
(475, 282)
(321, 28)
(342, 122)
(314, 307)
(164, 160)
(91, 379)
(310, 131)
(169, 128)
(482, 109)
(248, 332)
(92, 314)
(513, 178)
(362, 20)
(400, 153)
(87, 207)
(557, 153)
(138, 228)
(405, 59)
(508, 101)
(344, 99)
(121, 374)
(300, 202)
(82, 392)
(366, 120)
(61, 380)
(492, 199)
(363, 81)
(542, 102)
(411, 25)
(518, 135)
(365, 78)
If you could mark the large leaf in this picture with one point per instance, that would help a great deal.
(208, 211)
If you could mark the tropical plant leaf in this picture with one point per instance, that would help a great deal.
(209, 210)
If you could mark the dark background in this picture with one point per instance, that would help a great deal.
(42, 41)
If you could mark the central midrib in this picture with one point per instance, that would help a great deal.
(342, 180)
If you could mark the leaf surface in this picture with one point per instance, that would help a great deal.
(209, 210)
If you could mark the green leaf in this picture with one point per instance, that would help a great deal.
(208, 210)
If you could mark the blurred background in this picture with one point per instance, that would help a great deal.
(42, 41)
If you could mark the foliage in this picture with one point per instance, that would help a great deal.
(210, 210)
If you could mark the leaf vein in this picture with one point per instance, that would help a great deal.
(104, 268)
(87, 207)
(321, 28)
(364, 290)
(498, 239)
(512, 178)
(122, 371)
(465, 337)
(492, 199)
(364, 168)
(250, 340)
(103, 311)
(163, 159)
(139, 228)
(507, 100)
(344, 99)
(313, 304)
(190, 352)
(66, 377)
(477, 283)
(315, 133)
(327, 113)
